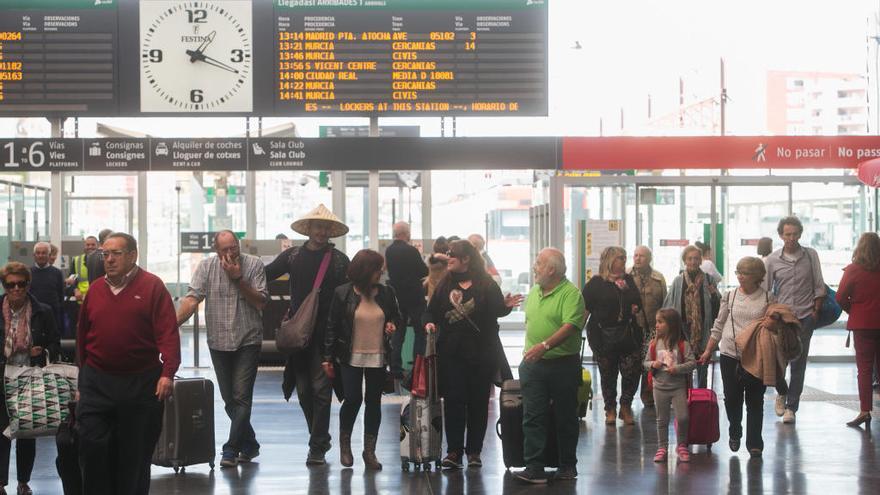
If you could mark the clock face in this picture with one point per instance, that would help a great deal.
(196, 56)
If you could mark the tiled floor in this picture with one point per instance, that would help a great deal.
(818, 455)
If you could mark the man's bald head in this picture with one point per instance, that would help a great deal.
(549, 267)
(401, 231)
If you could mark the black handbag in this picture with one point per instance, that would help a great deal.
(623, 337)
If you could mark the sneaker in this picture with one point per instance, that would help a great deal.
(228, 460)
(533, 476)
(683, 454)
(474, 461)
(315, 458)
(660, 456)
(780, 405)
(452, 461)
(566, 473)
(248, 457)
(788, 416)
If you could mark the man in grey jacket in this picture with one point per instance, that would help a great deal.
(794, 275)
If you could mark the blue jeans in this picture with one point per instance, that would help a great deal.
(236, 373)
(799, 365)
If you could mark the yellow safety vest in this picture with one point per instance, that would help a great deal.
(82, 274)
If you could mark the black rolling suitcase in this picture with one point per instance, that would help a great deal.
(67, 462)
(187, 426)
(510, 431)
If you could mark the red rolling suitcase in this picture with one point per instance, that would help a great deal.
(703, 414)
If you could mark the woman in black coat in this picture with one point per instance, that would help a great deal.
(363, 316)
(29, 332)
(464, 310)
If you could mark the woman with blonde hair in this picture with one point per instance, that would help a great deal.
(859, 295)
(611, 298)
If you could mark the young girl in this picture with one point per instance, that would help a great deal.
(670, 362)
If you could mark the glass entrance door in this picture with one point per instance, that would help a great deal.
(670, 218)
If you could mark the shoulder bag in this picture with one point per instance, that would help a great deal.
(295, 333)
(624, 336)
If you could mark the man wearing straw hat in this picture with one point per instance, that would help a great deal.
(303, 370)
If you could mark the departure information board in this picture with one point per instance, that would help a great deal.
(58, 57)
(412, 57)
(65, 58)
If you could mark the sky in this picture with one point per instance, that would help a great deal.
(632, 49)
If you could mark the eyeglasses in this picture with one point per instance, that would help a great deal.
(13, 285)
(451, 254)
(114, 254)
(744, 274)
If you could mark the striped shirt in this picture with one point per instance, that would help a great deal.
(232, 322)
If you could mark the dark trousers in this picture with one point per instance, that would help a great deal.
(798, 367)
(236, 373)
(314, 389)
(739, 387)
(465, 390)
(25, 453)
(409, 315)
(547, 380)
(119, 423)
(629, 367)
(353, 385)
(867, 343)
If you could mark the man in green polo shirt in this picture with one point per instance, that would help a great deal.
(551, 367)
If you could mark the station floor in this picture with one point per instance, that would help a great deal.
(817, 455)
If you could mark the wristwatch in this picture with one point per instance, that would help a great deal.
(546, 346)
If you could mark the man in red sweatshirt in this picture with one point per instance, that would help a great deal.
(129, 350)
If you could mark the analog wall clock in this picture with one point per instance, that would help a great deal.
(196, 56)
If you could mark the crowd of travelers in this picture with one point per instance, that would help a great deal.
(655, 337)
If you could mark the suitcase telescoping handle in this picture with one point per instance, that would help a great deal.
(710, 379)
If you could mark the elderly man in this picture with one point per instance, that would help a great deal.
(234, 283)
(794, 276)
(125, 325)
(551, 368)
(406, 270)
(652, 289)
(47, 282)
(302, 264)
(479, 243)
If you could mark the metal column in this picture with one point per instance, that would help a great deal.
(427, 227)
(557, 213)
(56, 201)
(142, 238)
(373, 191)
(337, 182)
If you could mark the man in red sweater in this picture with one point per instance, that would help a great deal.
(129, 350)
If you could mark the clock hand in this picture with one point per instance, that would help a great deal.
(201, 57)
(208, 40)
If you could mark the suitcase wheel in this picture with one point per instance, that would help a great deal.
(404, 466)
(417, 467)
(582, 410)
(427, 466)
(709, 447)
(437, 465)
(176, 469)
(211, 465)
